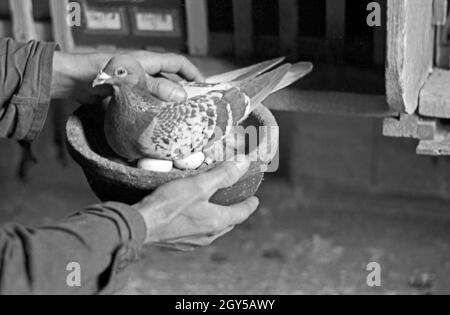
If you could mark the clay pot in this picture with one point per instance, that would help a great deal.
(113, 180)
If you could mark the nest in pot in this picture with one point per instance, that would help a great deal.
(113, 179)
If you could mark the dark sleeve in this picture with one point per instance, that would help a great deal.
(101, 241)
(97, 245)
(25, 85)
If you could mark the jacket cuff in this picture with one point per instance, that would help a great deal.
(42, 104)
(133, 232)
(134, 228)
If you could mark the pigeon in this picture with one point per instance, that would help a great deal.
(140, 126)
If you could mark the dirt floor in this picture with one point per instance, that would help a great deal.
(298, 243)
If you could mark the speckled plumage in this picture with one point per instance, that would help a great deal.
(180, 129)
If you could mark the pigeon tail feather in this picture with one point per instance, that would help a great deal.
(245, 97)
(260, 88)
(297, 72)
(246, 73)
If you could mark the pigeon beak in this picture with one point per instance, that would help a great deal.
(101, 79)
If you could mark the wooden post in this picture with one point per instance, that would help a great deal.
(289, 31)
(23, 21)
(197, 27)
(409, 52)
(336, 28)
(243, 28)
(61, 29)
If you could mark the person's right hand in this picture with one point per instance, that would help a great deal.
(73, 75)
(179, 216)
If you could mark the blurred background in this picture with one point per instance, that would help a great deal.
(344, 195)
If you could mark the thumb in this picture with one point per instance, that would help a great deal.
(225, 175)
(166, 90)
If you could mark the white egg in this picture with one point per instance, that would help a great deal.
(153, 165)
(191, 162)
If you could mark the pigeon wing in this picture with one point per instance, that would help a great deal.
(181, 129)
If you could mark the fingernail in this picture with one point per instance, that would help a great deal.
(242, 163)
(178, 95)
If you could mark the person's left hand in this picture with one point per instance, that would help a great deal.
(73, 75)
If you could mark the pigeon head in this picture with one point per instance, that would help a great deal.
(121, 71)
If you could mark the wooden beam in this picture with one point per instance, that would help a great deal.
(411, 126)
(23, 20)
(410, 52)
(336, 28)
(289, 28)
(243, 28)
(439, 147)
(62, 32)
(197, 27)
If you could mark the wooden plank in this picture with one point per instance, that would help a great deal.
(439, 147)
(379, 37)
(411, 126)
(197, 27)
(289, 28)
(336, 28)
(410, 52)
(61, 29)
(435, 95)
(22, 19)
(243, 28)
(403, 127)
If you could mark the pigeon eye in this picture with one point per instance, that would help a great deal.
(121, 72)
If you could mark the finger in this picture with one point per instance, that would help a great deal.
(223, 233)
(192, 242)
(173, 63)
(206, 240)
(239, 213)
(166, 90)
(225, 175)
(175, 247)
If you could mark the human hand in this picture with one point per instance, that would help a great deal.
(73, 75)
(179, 215)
